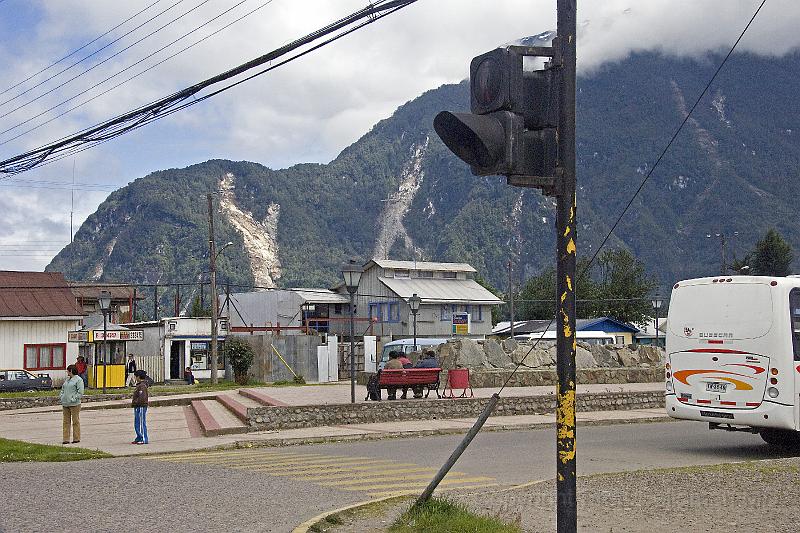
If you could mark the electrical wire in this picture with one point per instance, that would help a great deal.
(177, 101)
(131, 77)
(81, 48)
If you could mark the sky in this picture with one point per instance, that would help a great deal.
(306, 111)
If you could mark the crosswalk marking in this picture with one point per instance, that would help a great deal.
(391, 493)
(373, 476)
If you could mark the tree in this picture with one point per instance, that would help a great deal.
(616, 286)
(496, 309)
(198, 310)
(772, 256)
(240, 355)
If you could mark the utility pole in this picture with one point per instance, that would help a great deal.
(511, 299)
(722, 252)
(212, 255)
(155, 303)
(566, 498)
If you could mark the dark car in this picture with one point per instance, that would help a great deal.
(15, 380)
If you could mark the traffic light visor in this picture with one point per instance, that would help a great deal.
(478, 140)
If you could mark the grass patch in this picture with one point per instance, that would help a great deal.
(17, 451)
(446, 516)
(379, 508)
(155, 390)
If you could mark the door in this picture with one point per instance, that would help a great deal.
(176, 360)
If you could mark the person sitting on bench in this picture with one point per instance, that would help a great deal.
(428, 361)
(393, 364)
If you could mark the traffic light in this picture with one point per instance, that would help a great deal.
(512, 128)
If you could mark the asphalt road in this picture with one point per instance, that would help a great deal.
(274, 489)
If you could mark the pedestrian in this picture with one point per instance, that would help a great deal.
(393, 364)
(130, 370)
(428, 361)
(406, 362)
(71, 392)
(139, 404)
(188, 376)
(81, 367)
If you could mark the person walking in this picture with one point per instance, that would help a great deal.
(81, 367)
(130, 370)
(71, 392)
(139, 404)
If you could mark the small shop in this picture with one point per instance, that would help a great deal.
(187, 344)
(104, 351)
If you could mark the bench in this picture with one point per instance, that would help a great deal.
(410, 377)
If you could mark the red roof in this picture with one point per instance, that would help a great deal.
(36, 294)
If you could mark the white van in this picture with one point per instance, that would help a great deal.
(407, 346)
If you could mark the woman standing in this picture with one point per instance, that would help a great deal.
(139, 404)
(71, 392)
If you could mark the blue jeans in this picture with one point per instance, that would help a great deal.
(140, 423)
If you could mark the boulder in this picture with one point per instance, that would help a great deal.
(603, 356)
(650, 354)
(627, 357)
(542, 356)
(584, 357)
(495, 355)
(469, 354)
(509, 345)
(446, 355)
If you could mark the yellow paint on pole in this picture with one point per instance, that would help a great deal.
(571, 247)
(565, 424)
(569, 283)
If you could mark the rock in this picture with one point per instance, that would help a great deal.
(446, 355)
(603, 356)
(542, 356)
(469, 354)
(628, 358)
(509, 345)
(495, 355)
(650, 354)
(584, 357)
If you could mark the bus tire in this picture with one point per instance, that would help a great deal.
(781, 438)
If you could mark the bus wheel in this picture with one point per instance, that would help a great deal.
(781, 438)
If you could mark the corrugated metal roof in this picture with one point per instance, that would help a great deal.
(36, 294)
(320, 296)
(423, 265)
(441, 290)
(91, 291)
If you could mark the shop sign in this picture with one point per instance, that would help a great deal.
(118, 335)
(78, 336)
(461, 323)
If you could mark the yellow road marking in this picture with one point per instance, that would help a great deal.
(372, 471)
(378, 486)
(315, 472)
(242, 460)
(320, 465)
(395, 477)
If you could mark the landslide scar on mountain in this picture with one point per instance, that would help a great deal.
(391, 219)
(260, 238)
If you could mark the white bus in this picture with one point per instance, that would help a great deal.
(589, 337)
(733, 355)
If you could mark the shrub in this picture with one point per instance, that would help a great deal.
(240, 355)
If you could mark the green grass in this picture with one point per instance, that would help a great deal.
(17, 450)
(155, 390)
(446, 516)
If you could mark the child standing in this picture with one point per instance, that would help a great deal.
(139, 404)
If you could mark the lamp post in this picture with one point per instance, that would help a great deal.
(105, 306)
(722, 242)
(656, 305)
(413, 303)
(351, 271)
(213, 254)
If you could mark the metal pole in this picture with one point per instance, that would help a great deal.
(414, 316)
(352, 351)
(511, 299)
(212, 255)
(155, 302)
(722, 245)
(426, 494)
(105, 350)
(566, 500)
(657, 309)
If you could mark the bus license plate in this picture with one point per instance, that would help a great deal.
(716, 386)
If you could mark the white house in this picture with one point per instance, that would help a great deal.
(37, 310)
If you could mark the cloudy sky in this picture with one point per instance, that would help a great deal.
(307, 111)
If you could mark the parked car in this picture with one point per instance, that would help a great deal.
(407, 346)
(15, 380)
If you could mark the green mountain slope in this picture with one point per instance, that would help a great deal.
(733, 168)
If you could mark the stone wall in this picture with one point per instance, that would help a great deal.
(7, 404)
(276, 418)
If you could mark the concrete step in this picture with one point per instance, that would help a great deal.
(236, 408)
(261, 397)
(246, 401)
(216, 419)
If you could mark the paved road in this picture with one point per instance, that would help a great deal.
(273, 489)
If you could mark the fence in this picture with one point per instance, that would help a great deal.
(152, 364)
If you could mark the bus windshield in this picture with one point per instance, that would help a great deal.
(733, 311)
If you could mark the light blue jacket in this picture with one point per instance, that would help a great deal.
(71, 391)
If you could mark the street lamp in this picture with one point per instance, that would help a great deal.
(721, 237)
(214, 255)
(105, 307)
(351, 271)
(657, 306)
(413, 303)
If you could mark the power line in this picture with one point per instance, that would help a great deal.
(112, 56)
(131, 77)
(81, 48)
(181, 99)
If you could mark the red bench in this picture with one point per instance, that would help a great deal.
(410, 377)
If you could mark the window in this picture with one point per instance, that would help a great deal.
(337, 309)
(619, 339)
(446, 311)
(45, 356)
(448, 274)
(375, 312)
(394, 312)
(476, 312)
(199, 355)
(427, 274)
(794, 310)
(404, 273)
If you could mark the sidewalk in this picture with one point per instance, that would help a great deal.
(175, 428)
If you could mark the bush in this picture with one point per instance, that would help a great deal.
(240, 355)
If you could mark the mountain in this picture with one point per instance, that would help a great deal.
(398, 191)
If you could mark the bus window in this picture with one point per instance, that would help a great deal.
(794, 310)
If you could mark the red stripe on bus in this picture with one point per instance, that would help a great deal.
(716, 342)
(684, 400)
(717, 350)
(727, 403)
(753, 404)
(703, 401)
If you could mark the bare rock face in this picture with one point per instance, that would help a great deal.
(542, 356)
(495, 355)
(446, 355)
(651, 354)
(509, 345)
(627, 357)
(604, 356)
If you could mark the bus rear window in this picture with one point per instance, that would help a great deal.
(732, 311)
(794, 310)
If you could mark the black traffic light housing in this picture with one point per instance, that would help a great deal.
(512, 128)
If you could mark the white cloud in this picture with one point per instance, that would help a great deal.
(311, 109)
